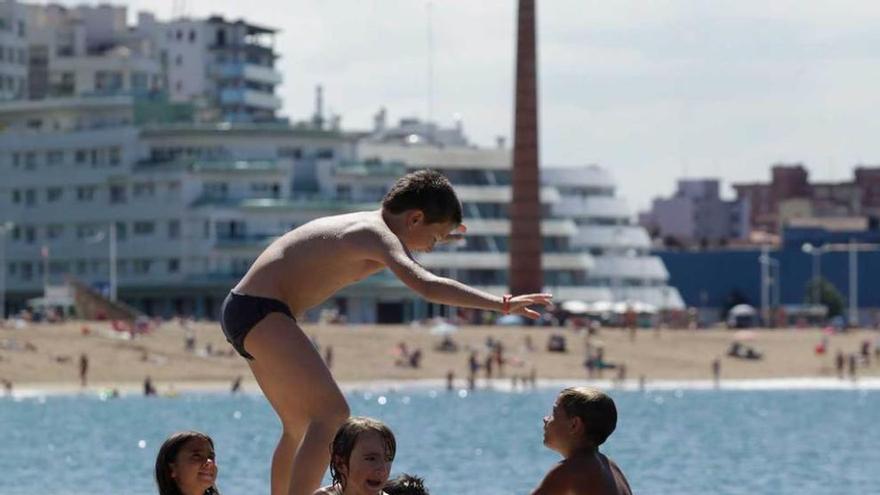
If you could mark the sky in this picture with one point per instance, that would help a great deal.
(653, 91)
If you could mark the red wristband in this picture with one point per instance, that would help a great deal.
(505, 304)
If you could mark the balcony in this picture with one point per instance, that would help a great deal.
(250, 98)
(266, 75)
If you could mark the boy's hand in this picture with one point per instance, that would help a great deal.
(456, 235)
(519, 305)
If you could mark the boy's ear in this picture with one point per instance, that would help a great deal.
(576, 426)
(414, 217)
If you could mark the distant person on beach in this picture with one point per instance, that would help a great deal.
(839, 363)
(149, 389)
(186, 465)
(309, 264)
(716, 371)
(406, 484)
(83, 369)
(581, 420)
(360, 458)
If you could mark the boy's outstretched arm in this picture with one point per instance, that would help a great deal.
(389, 250)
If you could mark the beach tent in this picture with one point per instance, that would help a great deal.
(742, 316)
(575, 307)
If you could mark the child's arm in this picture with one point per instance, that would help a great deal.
(389, 250)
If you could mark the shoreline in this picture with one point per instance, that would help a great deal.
(176, 389)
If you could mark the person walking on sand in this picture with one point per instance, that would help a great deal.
(305, 267)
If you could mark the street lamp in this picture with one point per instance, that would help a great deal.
(112, 247)
(768, 299)
(4, 228)
(816, 251)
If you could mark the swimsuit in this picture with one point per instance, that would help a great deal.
(239, 314)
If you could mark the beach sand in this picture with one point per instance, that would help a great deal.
(364, 353)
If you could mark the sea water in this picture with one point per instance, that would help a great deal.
(483, 442)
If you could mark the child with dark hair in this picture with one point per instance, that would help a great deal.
(406, 484)
(581, 420)
(360, 458)
(186, 465)
(309, 264)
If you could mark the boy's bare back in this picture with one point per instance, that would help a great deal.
(585, 474)
(311, 262)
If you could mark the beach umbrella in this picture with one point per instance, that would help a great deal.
(575, 307)
(443, 328)
(601, 307)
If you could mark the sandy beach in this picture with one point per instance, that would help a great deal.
(47, 356)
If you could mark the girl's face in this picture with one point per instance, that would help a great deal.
(194, 469)
(368, 467)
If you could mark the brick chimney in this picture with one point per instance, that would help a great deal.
(525, 208)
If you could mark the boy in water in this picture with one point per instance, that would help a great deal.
(309, 264)
(581, 420)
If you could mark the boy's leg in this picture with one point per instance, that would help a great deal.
(302, 391)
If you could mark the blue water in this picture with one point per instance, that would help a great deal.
(487, 442)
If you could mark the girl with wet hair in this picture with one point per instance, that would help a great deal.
(360, 458)
(186, 465)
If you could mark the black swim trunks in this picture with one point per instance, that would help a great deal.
(239, 314)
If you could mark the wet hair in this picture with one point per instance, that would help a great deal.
(595, 408)
(406, 484)
(425, 190)
(168, 454)
(346, 438)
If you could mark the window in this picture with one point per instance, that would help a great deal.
(16, 196)
(139, 81)
(30, 235)
(215, 190)
(117, 194)
(174, 229)
(85, 193)
(54, 194)
(16, 159)
(80, 157)
(144, 228)
(55, 157)
(30, 160)
(192, 35)
(121, 231)
(141, 266)
(144, 189)
(114, 156)
(173, 265)
(30, 197)
(178, 60)
(86, 231)
(55, 231)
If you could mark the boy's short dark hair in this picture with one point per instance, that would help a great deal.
(425, 190)
(595, 408)
(406, 484)
(346, 438)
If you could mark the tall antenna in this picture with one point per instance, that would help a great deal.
(430, 63)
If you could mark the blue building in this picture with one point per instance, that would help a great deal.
(714, 280)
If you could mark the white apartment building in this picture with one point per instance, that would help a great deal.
(228, 65)
(13, 50)
(191, 204)
(90, 50)
(225, 68)
(624, 269)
